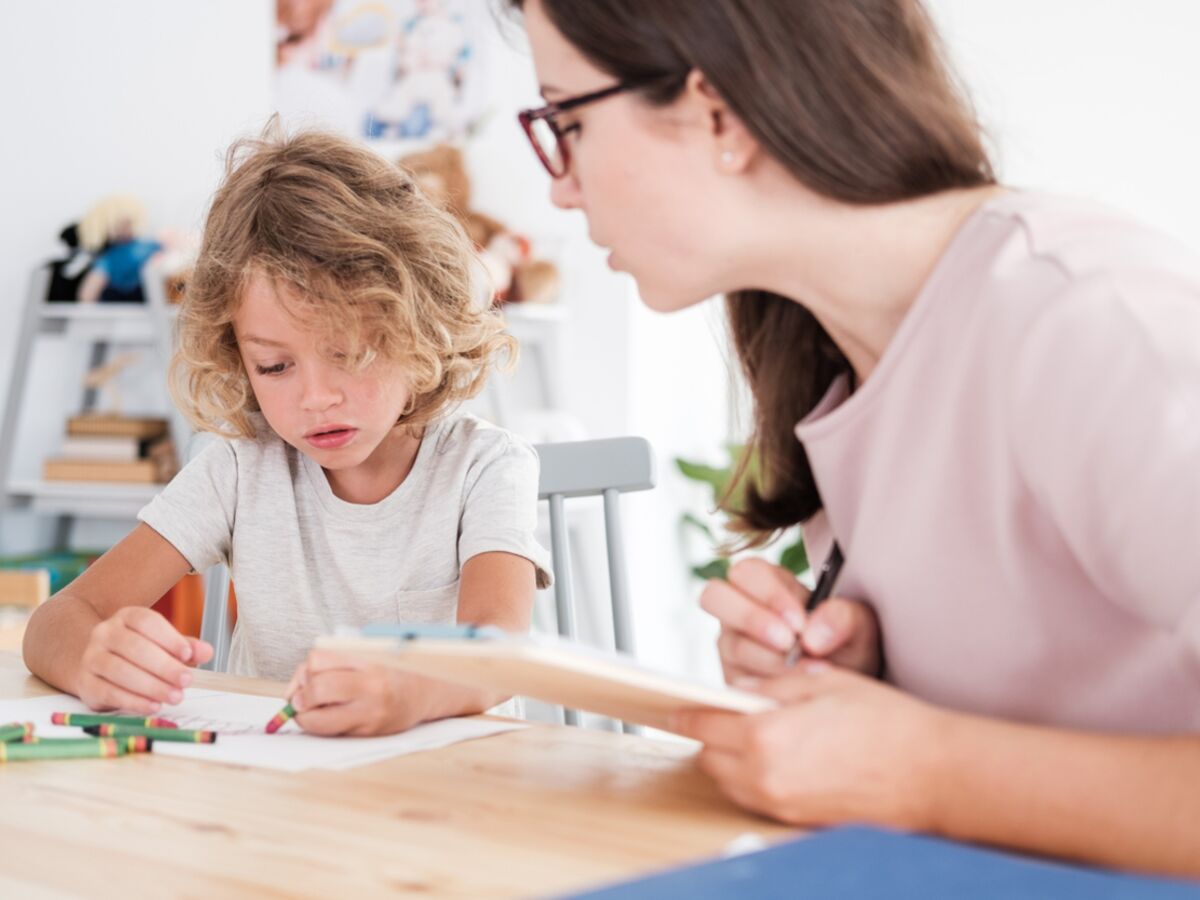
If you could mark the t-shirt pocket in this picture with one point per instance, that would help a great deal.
(436, 606)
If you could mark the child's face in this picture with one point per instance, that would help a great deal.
(335, 416)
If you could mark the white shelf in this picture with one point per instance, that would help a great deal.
(94, 312)
(104, 499)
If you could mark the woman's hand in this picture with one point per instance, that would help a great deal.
(335, 695)
(840, 748)
(136, 661)
(761, 611)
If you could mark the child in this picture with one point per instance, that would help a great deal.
(328, 333)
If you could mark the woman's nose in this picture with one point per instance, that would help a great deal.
(564, 192)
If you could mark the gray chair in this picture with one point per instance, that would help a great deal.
(603, 468)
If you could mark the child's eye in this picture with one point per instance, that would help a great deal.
(276, 369)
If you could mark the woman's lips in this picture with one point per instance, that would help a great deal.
(332, 438)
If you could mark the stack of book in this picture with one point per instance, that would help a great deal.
(130, 449)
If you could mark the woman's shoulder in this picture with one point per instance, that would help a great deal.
(1044, 271)
(1087, 241)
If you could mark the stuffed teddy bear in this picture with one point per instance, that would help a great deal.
(507, 257)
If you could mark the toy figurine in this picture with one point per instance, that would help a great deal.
(113, 229)
(67, 273)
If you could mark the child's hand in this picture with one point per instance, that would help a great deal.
(135, 660)
(761, 610)
(841, 748)
(335, 695)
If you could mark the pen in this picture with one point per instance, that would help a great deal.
(280, 718)
(821, 592)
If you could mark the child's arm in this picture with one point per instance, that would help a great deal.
(847, 749)
(97, 638)
(334, 695)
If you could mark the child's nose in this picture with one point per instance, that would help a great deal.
(320, 393)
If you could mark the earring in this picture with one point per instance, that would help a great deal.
(727, 158)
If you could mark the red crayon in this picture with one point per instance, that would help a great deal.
(280, 719)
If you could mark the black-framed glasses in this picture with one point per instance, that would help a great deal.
(549, 138)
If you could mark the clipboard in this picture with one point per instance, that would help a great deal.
(543, 667)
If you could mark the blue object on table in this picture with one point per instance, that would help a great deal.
(859, 862)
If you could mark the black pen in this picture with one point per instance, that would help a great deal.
(821, 592)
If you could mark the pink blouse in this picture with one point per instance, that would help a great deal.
(1016, 487)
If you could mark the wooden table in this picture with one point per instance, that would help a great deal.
(535, 812)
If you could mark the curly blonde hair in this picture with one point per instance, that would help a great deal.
(366, 260)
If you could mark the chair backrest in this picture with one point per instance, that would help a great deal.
(606, 467)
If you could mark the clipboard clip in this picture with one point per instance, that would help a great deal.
(416, 631)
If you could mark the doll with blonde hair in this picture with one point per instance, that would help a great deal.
(326, 339)
(113, 229)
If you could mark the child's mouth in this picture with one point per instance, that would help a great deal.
(331, 438)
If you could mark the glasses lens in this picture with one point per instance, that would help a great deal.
(546, 142)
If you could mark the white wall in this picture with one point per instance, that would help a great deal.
(1095, 98)
(140, 97)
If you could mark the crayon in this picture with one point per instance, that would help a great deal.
(131, 744)
(280, 719)
(98, 748)
(84, 719)
(178, 735)
(15, 731)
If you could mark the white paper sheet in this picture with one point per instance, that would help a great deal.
(240, 718)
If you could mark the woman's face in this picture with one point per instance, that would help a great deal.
(643, 176)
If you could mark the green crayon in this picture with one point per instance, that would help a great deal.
(15, 731)
(83, 748)
(131, 744)
(180, 735)
(85, 719)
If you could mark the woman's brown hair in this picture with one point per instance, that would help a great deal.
(854, 99)
(364, 260)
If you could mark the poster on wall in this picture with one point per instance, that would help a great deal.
(394, 71)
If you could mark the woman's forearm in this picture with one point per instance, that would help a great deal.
(55, 639)
(1123, 801)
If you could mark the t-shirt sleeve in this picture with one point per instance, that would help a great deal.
(195, 511)
(500, 507)
(1105, 421)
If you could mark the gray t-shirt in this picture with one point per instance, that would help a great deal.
(304, 561)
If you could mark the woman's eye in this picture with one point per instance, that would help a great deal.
(575, 128)
(276, 369)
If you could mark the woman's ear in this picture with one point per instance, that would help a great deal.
(733, 146)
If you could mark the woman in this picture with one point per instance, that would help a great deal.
(990, 399)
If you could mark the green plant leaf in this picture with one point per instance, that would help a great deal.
(718, 568)
(690, 519)
(795, 558)
(715, 478)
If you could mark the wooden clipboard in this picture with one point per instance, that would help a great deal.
(550, 669)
